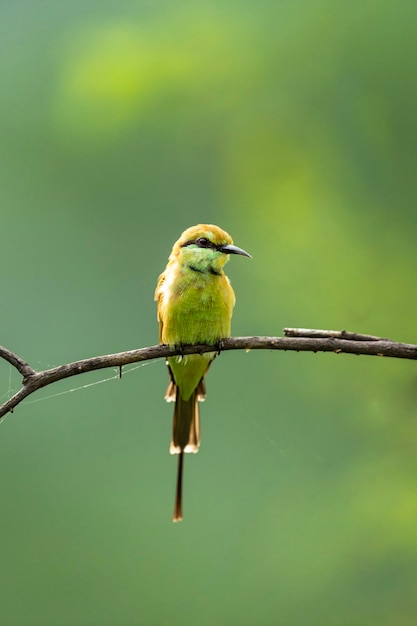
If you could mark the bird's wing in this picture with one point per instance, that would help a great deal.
(171, 392)
(157, 297)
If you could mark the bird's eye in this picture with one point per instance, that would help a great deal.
(203, 242)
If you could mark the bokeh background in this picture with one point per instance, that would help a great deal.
(293, 126)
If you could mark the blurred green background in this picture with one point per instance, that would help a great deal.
(292, 125)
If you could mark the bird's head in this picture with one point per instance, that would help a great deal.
(205, 248)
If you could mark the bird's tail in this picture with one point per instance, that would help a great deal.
(185, 437)
(177, 517)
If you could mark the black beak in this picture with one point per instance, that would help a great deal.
(229, 249)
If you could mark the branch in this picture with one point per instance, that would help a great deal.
(17, 362)
(298, 339)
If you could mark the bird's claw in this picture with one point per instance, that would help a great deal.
(180, 349)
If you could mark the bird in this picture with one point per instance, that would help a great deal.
(195, 302)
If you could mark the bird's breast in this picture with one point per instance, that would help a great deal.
(196, 309)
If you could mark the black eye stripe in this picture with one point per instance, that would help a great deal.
(201, 242)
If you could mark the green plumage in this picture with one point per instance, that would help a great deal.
(195, 304)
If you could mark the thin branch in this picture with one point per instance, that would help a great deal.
(17, 362)
(298, 339)
(335, 334)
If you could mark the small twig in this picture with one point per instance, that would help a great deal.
(298, 339)
(17, 362)
(334, 334)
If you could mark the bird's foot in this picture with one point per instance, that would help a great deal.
(180, 349)
(219, 346)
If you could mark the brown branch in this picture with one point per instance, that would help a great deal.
(298, 339)
(335, 334)
(17, 362)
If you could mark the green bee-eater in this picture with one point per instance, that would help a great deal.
(195, 304)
